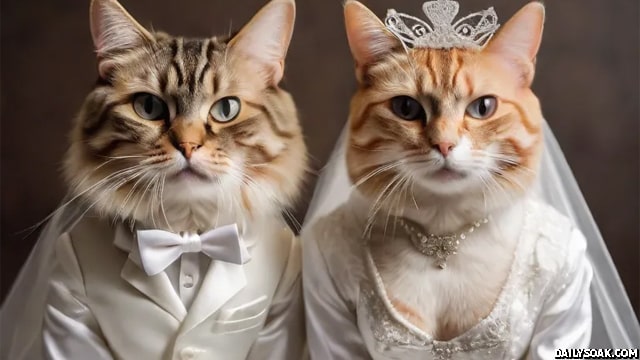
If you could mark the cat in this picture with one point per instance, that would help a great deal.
(180, 133)
(429, 239)
(444, 137)
(191, 140)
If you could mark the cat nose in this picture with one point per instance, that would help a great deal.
(444, 147)
(187, 148)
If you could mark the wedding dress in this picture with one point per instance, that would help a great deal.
(350, 316)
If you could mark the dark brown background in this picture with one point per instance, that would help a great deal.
(587, 78)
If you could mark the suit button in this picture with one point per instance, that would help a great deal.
(188, 281)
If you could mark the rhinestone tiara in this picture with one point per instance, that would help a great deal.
(471, 31)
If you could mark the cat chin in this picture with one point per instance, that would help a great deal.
(447, 182)
(189, 175)
(189, 204)
(200, 205)
(185, 213)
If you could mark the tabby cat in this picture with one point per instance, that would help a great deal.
(184, 156)
(180, 132)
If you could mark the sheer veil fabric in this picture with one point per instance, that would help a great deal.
(614, 322)
(23, 309)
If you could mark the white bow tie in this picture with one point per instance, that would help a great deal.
(159, 248)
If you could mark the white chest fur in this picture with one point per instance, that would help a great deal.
(447, 302)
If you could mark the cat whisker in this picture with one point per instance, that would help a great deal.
(313, 172)
(292, 219)
(377, 204)
(76, 197)
(122, 157)
(37, 225)
(222, 197)
(513, 181)
(355, 146)
(397, 191)
(155, 196)
(413, 196)
(142, 196)
(164, 213)
(396, 194)
(129, 194)
(77, 183)
(377, 171)
(502, 191)
(417, 158)
(246, 180)
(251, 181)
(484, 195)
(285, 211)
(99, 183)
(110, 188)
(384, 196)
(511, 160)
(151, 202)
(400, 206)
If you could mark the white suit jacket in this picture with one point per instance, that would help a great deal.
(102, 305)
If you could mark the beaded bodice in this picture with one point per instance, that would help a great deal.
(504, 334)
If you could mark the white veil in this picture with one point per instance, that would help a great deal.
(614, 322)
(23, 309)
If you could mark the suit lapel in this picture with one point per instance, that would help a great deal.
(158, 288)
(222, 281)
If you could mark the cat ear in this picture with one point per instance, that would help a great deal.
(114, 30)
(265, 39)
(368, 37)
(519, 39)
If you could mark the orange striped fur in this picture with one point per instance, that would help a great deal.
(448, 168)
(446, 81)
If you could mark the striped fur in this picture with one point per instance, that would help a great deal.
(501, 149)
(397, 166)
(130, 168)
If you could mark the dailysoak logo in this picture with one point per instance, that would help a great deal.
(597, 354)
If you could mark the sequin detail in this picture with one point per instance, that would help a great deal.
(385, 329)
(492, 337)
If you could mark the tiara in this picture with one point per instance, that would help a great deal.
(471, 31)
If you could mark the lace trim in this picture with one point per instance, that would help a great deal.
(493, 333)
(386, 330)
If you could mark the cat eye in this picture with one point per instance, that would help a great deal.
(150, 107)
(226, 109)
(483, 107)
(407, 108)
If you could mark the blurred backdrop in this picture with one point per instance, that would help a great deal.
(588, 80)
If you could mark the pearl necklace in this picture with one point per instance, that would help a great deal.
(438, 246)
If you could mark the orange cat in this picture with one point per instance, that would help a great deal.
(441, 251)
(465, 126)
